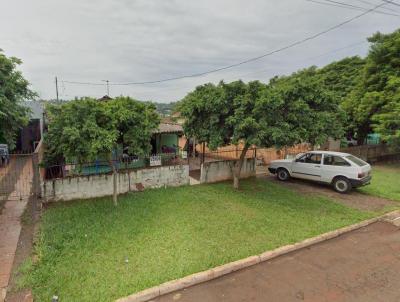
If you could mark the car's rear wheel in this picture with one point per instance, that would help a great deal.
(341, 185)
(282, 174)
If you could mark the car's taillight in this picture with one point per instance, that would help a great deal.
(361, 175)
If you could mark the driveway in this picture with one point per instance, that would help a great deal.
(354, 199)
(362, 265)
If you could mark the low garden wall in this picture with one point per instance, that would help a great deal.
(81, 187)
(223, 170)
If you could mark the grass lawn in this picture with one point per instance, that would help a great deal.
(92, 251)
(385, 182)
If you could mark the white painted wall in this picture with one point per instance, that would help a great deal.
(223, 170)
(102, 185)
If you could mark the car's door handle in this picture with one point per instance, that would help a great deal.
(318, 166)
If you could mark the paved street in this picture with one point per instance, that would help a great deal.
(362, 266)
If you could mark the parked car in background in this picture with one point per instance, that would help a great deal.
(342, 170)
(4, 155)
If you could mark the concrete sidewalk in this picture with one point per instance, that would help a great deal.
(363, 265)
(10, 224)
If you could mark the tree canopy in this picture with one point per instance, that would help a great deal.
(81, 130)
(283, 113)
(367, 89)
(376, 101)
(14, 89)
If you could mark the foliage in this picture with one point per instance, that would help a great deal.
(135, 122)
(164, 109)
(14, 88)
(83, 129)
(341, 77)
(165, 234)
(299, 109)
(372, 104)
(288, 111)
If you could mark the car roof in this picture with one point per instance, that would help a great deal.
(329, 152)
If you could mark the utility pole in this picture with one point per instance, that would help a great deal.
(57, 89)
(108, 86)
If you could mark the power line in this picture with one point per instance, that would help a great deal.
(312, 37)
(391, 2)
(311, 58)
(349, 6)
(373, 4)
(83, 83)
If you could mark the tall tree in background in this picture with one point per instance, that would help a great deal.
(14, 89)
(283, 113)
(377, 93)
(341, 77)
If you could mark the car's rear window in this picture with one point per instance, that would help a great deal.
(356, 160)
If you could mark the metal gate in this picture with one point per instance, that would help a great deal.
(17, 177)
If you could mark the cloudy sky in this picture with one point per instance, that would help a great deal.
(145, 40)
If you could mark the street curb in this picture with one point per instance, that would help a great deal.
(225, 269)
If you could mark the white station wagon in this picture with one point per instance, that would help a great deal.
(342, 170)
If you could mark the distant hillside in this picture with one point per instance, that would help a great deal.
(165, 109)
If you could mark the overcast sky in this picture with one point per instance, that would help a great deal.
(145, 40)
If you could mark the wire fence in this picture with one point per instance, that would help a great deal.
(124, 163)
(263, 155)
(229, 154)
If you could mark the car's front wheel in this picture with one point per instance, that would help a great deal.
(341, 185)
(282, 174)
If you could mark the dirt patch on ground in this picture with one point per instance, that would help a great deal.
(354, 199)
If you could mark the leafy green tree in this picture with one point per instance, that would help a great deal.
(387, 122)
(378, 92)
(83, 129)
(285, 112)
(341, 77)
(79, 131)
(14, 89)
(135, 122)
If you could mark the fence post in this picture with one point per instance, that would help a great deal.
(35, 184)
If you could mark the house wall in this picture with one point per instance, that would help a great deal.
(28, 135)
(169, 140)
(102, 185)
(223, 170)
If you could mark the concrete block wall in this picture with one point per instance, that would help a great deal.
(82, 187)
(223, 170)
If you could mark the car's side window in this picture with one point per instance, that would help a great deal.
(301, 159)
(310, 158)
(331, 160)
(314, 159)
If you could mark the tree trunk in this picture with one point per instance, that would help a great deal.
(238, 167)
(114, 172)
(115, 198)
